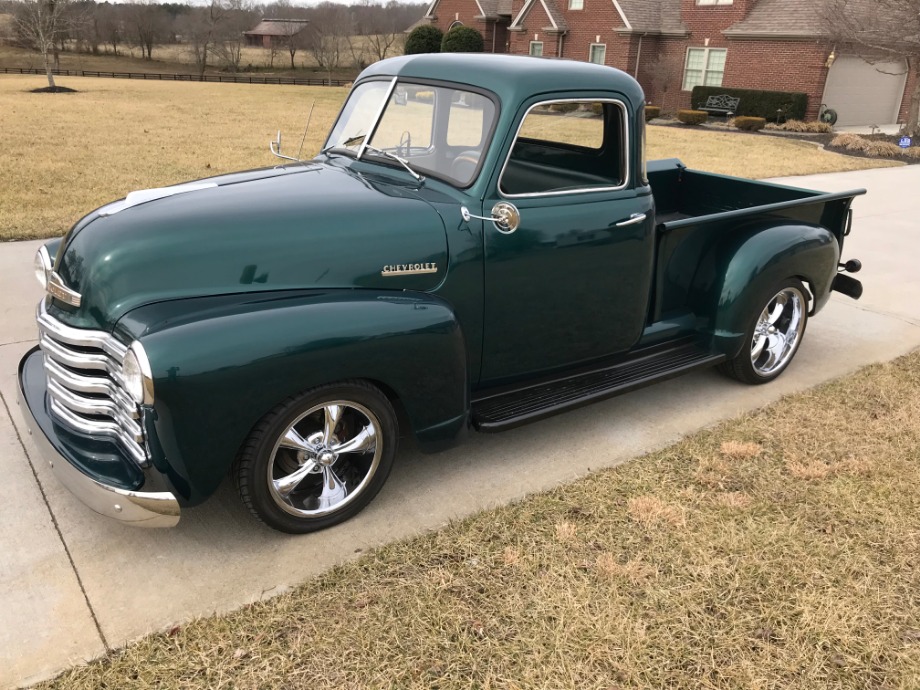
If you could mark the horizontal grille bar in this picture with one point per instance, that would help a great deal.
(85, 384)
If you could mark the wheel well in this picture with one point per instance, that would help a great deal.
(402, 418)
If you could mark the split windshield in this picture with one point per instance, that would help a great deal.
(436, 130)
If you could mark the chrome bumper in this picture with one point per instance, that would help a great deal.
(138, 508)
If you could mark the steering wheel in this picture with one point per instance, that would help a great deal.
(464, 165)
(405, 139)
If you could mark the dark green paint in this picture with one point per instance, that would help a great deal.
(270, 283)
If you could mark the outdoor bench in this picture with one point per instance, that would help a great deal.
(721, 105)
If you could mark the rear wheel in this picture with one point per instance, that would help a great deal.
(773, 336)
(318, 458)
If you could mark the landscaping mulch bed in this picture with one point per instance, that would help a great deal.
(53, 89)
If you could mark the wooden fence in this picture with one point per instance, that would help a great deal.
(155, 76)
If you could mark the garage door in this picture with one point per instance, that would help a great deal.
(862, 94)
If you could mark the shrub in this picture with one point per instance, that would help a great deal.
(749, 124)
(424, 39)
(913, 152)
(757, 103)
(881, 149)
(564, 107)
(462, 39)
(424, 96)
(692, 117)
(813, 127)
(651, 112)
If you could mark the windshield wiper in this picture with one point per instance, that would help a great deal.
(399, 159)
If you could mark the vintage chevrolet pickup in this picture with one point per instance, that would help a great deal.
(479, 244)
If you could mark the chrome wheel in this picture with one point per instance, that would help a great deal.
(773, 334)
(318, 458)
(324, 459)
(778, 332)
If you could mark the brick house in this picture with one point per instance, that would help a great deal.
(672, 45)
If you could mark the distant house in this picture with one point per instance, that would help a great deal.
(270, 32)
(672, 45)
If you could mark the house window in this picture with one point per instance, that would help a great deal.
(714, 2)
(704, 67)
(576, 4)
(597, 53)
(536, 48)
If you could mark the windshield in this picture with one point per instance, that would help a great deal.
(436, 130)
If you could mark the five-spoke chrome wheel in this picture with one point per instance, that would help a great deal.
(319, 458)
(774, 336)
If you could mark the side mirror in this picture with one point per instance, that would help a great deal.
(275, 148)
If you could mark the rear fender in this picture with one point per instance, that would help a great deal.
(219, 367)
(751, 262)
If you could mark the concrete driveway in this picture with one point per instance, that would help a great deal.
(73, 584)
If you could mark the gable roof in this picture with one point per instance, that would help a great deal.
(650, 16)
(278, 27)
(557, 21)
(780, 19)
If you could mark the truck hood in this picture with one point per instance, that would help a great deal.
(313, 226)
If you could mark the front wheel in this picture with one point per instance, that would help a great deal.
(773, 336)
(318, 458)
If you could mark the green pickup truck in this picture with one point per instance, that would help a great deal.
(478, 245)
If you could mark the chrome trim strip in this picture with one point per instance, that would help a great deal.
(142, 196)
(45, 258)
(373, 130)
(93, 407)
(137, 508)
(99, 428)
(87, 384)
(78, 336)
(78, 360)
(58, 290)
(584, 190)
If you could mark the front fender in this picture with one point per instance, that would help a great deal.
(753, 261)
(220, 364)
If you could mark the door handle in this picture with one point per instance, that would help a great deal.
(634, 219)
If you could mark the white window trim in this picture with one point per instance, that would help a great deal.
(706, 50)
(711, 3)
(575, 9)
(532, 44)
(624, 138)
(590, 50)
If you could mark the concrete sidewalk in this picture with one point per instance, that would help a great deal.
(73, 584)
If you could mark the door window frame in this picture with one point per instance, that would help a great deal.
(624, 151)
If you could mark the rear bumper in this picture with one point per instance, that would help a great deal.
(138, 508)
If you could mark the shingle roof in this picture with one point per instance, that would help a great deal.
(278, 27)
(781, 18)
(558, 22)
(653, 16)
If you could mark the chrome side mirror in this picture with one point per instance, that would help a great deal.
(505, 217)
(275, 148)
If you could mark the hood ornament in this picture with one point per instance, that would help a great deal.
(59, 291)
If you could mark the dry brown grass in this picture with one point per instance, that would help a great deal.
(786, 579)
(65, 154)
(807, 127)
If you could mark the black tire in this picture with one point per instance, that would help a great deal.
(773, 335)
(318, 458)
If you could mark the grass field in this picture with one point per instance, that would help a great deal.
(65, 154)
(776, 551)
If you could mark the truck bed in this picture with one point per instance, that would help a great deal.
(694, 210)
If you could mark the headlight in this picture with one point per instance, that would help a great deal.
(136, 375)
(42, 266)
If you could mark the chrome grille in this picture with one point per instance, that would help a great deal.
(85, 384)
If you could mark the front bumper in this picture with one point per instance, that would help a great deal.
(138, 508)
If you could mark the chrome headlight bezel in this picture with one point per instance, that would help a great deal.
(137, 377)
(43, 267)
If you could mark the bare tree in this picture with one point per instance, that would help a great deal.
(383, 27)
(146, 22)
(880, 31)
(329, 32)
(228, 47)
(109, 26)
(43, 24)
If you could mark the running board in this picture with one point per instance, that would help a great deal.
(508, 410)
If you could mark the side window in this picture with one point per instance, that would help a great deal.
(567, 146)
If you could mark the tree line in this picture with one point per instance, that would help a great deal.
(337, 36)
